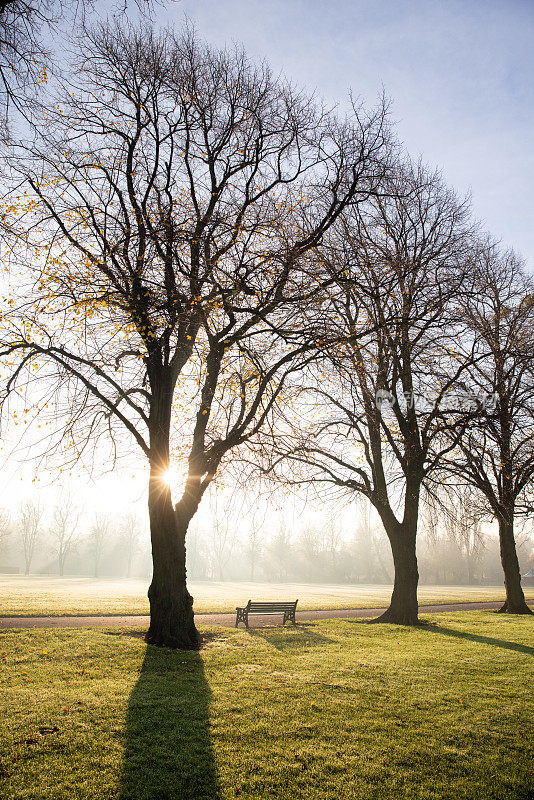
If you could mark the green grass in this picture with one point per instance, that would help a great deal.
(325, 710)
(38, 595)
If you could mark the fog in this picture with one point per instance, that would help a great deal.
(243, 537)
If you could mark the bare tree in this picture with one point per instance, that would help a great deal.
(377, 404)
(130, 532)
(64, 530)
(254, 533)
(497, 452)
(30, 531)
(185, 190)
(99, 534)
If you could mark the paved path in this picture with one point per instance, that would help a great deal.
(224, 619)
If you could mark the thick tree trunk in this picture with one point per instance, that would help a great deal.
(403, 608)
(171, 606)
(515, 598)
(172, 622)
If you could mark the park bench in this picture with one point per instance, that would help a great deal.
(252, 607)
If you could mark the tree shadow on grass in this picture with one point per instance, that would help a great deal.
(472, 637)
(168, 753)
(291, 638)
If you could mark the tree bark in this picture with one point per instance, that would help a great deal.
(171, 606)
(515, 598)
(403, 607)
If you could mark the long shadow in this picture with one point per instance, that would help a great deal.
(290, 638)
(168, 753)
(472, 637)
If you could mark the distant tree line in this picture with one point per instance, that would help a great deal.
(325, 552)
(59, 540)
(453, 548)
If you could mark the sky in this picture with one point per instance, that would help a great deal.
(459, 76)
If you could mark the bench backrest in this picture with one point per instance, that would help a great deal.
(260, 606)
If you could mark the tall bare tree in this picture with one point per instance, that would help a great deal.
(496, 455)
(174, 196)
(377, 402)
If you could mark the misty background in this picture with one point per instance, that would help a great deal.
(235, 540)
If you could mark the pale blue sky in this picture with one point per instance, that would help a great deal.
(460, 75)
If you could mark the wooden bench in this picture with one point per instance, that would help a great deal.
(252, 607)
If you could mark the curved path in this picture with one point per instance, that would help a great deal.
(227, 620)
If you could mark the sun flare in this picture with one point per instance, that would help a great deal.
(173, 477)
(168, 477)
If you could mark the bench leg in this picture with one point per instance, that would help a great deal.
(245, 620)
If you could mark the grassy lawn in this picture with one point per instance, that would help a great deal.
(43, 595)
(327, 710)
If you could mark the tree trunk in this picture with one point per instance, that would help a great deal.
(172, 622)
(515, 598)
(171, 606)
(403, 608)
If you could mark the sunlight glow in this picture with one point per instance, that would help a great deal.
(173, 477)
(168, 477)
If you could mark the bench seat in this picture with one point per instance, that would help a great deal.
(265, 607)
